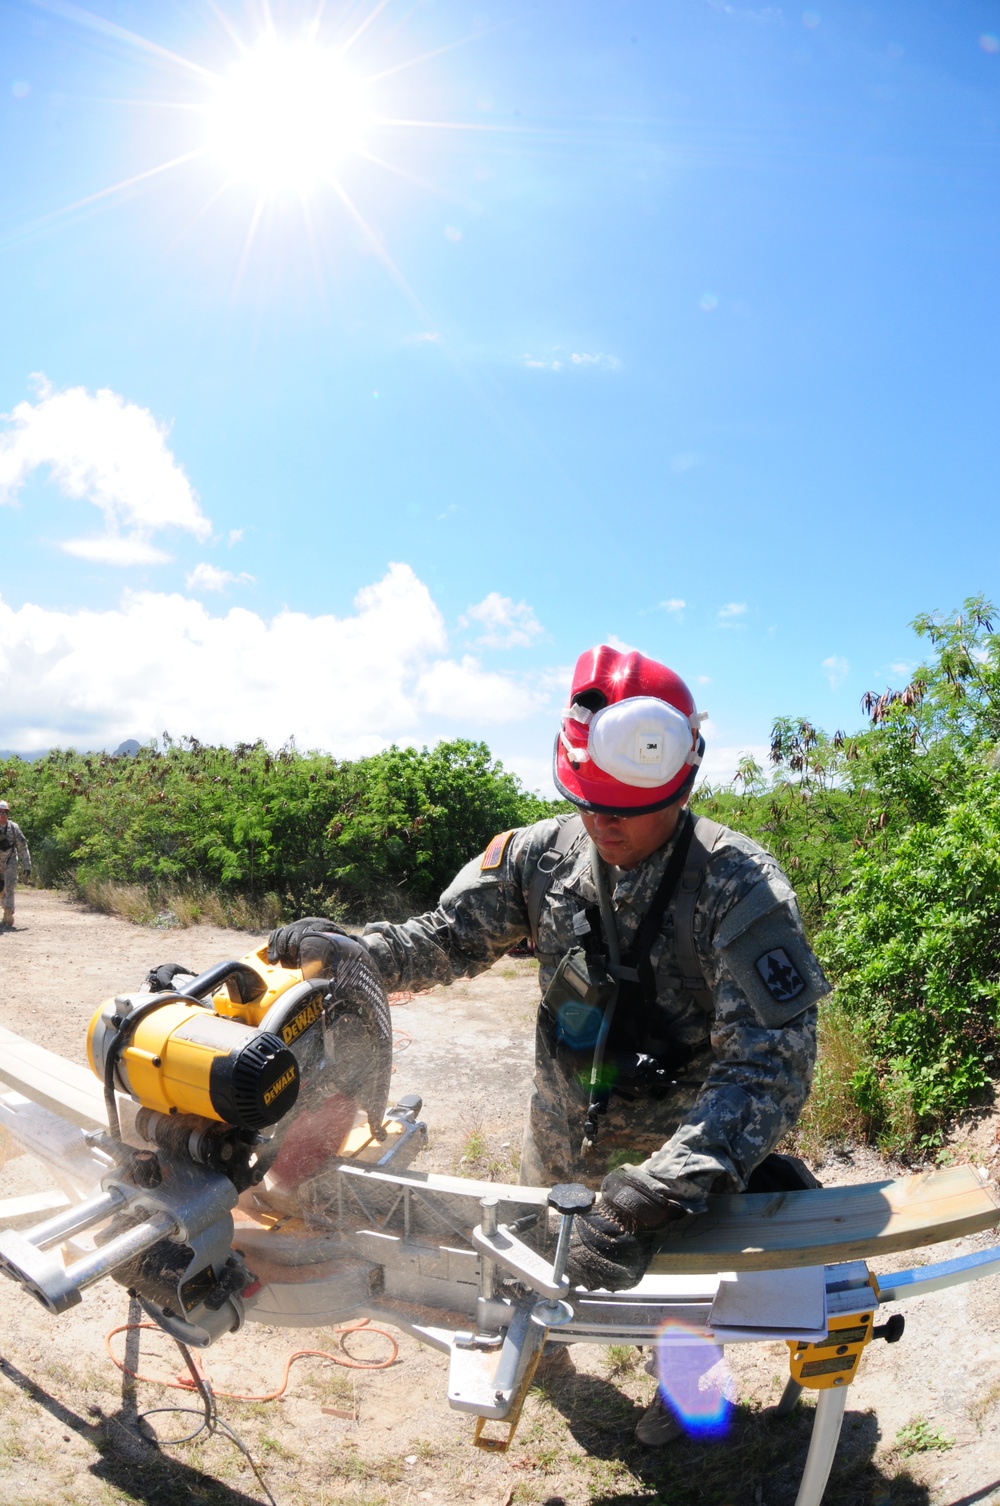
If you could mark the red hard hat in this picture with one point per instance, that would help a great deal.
(629, 742)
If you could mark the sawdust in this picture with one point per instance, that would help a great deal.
(68, 1431)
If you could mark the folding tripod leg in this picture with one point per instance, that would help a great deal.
(822, 1445)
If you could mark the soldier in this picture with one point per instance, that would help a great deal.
(12, 847)
(675, 1038)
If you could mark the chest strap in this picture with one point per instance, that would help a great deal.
(706, 837)
(637, 954)
(567, 834)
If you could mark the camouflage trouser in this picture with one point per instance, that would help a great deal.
(9, 875)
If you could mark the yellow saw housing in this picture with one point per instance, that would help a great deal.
(183, 1058)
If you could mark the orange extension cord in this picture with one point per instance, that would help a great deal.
(185, 1384)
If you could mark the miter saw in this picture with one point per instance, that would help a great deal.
(248, 1080)
(235, 1157)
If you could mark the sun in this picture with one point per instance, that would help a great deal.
(286, 116)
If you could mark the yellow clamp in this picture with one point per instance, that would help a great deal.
(833, 1361)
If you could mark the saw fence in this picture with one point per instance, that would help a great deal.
(475, 1269)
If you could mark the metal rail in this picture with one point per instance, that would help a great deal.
(443, 1258)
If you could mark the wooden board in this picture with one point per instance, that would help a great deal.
(765, 1231)
(71, 1091)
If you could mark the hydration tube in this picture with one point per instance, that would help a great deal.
(598, 1095)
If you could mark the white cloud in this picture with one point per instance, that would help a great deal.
(534, 773)
(763, 15)
(902, 668)
(837, 669)
(732, 609)
(112, 549)
(703, 679)
(720, 764)
(605, 362)
(424, 337)
(465, 690)
(163, 661)
(205, 577)
(675, 605)
(101, 449)
(579, 359)
(453, 233)
(234, 537)
(613, 641)
(687, 460)
(507, 624)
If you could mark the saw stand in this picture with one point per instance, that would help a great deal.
(443, 1258)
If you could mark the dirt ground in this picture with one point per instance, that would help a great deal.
(68, 1429)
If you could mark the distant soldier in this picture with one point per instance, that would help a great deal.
(12, 847)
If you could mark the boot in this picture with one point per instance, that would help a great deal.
(659, 1424)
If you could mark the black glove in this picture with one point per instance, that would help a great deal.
(318, 952)
(161, 978)
(283, 944)
(613, 1244)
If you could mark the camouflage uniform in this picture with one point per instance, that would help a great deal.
(12, 847)
(737, 1080)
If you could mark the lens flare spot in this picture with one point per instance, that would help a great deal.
(695, 1380)
(989, 43)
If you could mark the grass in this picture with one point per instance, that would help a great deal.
(983, 1403)
(270, 1447)
(147, 906)
(482, 1159)
(918, 1437)
(330, 1387)
(621, 1359)
(832, 1113)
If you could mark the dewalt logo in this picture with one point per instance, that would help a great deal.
(278, 1087)
(301, 1021)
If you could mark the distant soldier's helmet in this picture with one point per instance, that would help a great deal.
(629, 741)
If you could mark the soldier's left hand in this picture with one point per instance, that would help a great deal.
(612, 1245)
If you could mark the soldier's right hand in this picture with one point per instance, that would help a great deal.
(284, 944)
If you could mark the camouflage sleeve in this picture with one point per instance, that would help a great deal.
(763, 1032)
(481, 915)
(22, 846)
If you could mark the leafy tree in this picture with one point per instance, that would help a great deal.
(914, 946)
(382, 834)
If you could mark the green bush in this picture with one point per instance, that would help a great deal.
(382, 835)
(914, 946)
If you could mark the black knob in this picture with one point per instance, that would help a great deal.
(891, 1330)
(572, 1197)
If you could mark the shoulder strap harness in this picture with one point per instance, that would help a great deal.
(568, 833)
(705, 837)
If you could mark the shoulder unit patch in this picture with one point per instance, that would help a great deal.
(493, 856)
(781, 978)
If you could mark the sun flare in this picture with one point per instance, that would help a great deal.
(286, 116)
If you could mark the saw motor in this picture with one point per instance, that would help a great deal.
(246, 1074)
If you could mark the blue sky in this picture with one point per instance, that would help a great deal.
(507, 330)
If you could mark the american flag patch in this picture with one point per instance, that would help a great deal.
(493, 856)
